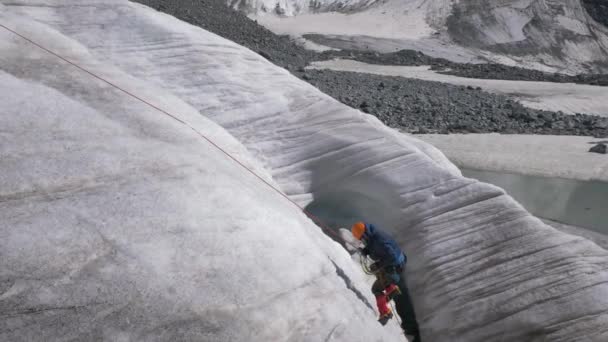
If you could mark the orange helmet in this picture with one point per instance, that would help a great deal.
(358, 229)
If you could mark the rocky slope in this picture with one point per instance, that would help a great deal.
(555, 35)
(598, 10)
(557, 31)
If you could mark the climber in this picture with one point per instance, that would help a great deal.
(389, 265)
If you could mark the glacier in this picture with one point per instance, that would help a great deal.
(120, 223)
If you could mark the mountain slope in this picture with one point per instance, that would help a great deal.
(556, 35)
(556, 32)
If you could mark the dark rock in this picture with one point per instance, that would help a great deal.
(599, 148)
(306, 77)
(598, 10)
(602, 124)
(265, 55)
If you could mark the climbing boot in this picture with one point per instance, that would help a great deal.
(384, 318)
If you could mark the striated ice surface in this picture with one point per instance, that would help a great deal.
(120, 223)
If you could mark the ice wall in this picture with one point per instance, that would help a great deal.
(119, 223)
(481, 268)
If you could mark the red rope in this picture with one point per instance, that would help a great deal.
(315, 219)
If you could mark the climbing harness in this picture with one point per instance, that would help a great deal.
(365, 265)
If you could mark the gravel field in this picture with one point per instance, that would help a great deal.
(431, 107)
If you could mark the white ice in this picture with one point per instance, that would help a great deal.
(120, 223)
(385, 24)
(540, 155)
(569, 98)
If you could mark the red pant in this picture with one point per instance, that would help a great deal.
(382, 299)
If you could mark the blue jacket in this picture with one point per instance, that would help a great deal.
(382, 248)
